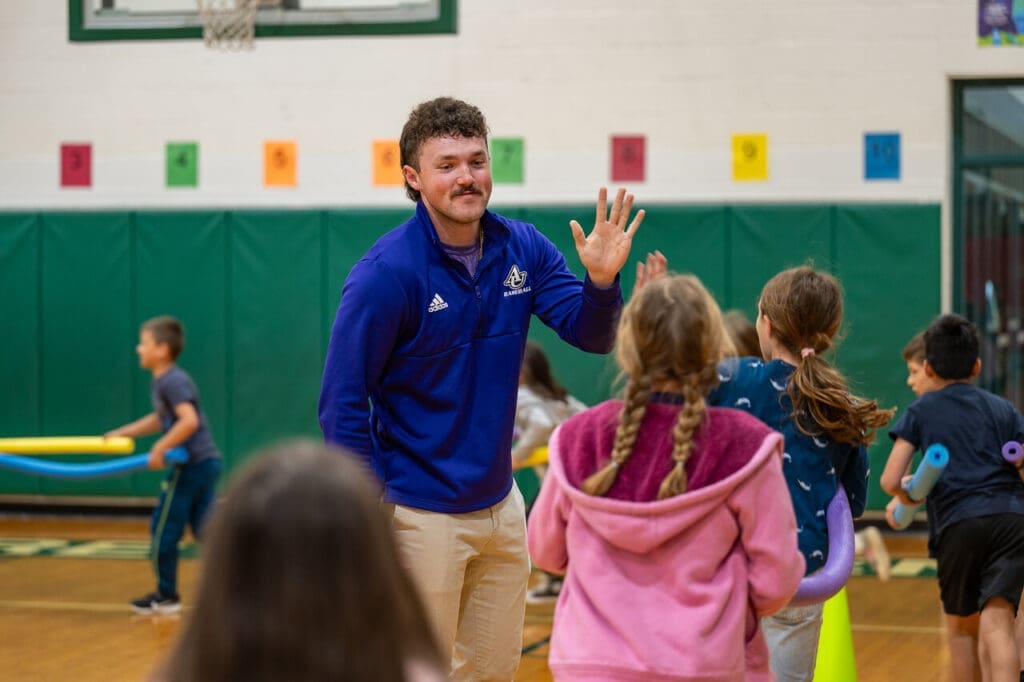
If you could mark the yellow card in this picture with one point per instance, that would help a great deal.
(750, 157)
(280, 160)
(387, 168)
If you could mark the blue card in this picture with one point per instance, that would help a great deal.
(881, 156)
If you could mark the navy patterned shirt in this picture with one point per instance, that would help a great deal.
(814, 466)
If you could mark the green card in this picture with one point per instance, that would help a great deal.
(182, 164)
(507, 160)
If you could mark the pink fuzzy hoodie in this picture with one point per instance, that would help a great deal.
(670, 589)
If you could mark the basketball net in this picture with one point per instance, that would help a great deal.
(230, 24)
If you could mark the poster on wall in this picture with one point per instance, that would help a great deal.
(387, 169)
(507, 160)
(750, 157)
(1001, 22)
(881, 156)
(76, 165)
(628, 158)
(182, 164)
(280, 160)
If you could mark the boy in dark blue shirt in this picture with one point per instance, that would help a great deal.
(976, 509)
(189, 489)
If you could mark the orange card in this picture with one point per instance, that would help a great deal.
(387, 168)
(280, 160)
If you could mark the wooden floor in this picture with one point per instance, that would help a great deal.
(67, 618)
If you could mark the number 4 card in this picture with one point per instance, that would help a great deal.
(182, 164)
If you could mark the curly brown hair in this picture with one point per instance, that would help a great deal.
(440, 117)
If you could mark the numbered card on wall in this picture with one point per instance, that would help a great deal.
(749, 157)
(507, 160)
(76, 165)
(628, 158)
(182, 164)
(881, 156)
(280, 160)
(387, 166)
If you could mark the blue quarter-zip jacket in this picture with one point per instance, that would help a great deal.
(423, 363)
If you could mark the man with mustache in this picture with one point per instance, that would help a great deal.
(423, 365)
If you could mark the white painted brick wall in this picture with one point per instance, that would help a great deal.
(565, 74)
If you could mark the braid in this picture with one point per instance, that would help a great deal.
(633, 408)
(690, 418)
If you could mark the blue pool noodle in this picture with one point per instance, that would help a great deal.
(113, 467)
(936, 457)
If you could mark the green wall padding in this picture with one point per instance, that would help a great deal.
(767, 239)
(258, 290)
(87, 331)
(181, 261)
(277, 349)
(21, 359)
(888, 262)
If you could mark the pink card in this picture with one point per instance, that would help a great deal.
(76, 165)
(628, 157)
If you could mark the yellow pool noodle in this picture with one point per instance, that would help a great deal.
(536, 458)
(68, 445)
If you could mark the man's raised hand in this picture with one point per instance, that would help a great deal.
(606, 249)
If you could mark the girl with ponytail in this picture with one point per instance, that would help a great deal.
(797, 392)
(670, 518)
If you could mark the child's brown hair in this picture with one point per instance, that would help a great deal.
(168, 330)
(742, 333)
(536, 373)
(805, 309)
(302, 580)
(670, 332)
(914, 350)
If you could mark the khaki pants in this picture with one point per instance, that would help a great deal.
(471, 571)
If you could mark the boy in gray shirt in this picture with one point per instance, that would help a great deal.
(188, 491)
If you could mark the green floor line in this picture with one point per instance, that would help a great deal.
(84, 549)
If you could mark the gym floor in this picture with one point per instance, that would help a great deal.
(65, 584)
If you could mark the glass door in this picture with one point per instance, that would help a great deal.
(989, 225)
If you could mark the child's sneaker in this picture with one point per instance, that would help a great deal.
(876, 553)
(154, 602)
(547, 591)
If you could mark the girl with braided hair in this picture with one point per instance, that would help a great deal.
(669, 518)
(796, 391)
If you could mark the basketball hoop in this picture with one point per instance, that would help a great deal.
(230, 24)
